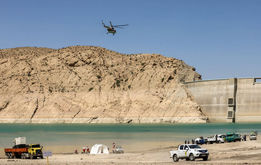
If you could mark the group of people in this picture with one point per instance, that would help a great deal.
(86, 150)
(188, 142)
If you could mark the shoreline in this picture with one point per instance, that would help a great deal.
(245, 152)
(92, 120)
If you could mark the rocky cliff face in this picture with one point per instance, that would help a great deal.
(85, 84)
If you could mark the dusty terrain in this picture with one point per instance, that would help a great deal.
(86, 84)
(248, 152)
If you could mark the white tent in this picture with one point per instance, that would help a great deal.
(99, 149)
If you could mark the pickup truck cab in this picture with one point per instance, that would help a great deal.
(221, 138)
(189, 152)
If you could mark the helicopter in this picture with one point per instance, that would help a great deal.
(111, 28)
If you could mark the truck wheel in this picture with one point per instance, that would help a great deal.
(191, 157)
(175, 158)
(205, 158)
(12, 155)
(9, 155)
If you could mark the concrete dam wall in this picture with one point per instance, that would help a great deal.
(228, 100)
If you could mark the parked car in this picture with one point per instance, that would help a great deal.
(189, 152)
(232, 137)
(200, 140)
(253, 136)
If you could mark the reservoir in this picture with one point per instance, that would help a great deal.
(131, 136)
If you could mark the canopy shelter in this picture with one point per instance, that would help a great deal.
(99, 149)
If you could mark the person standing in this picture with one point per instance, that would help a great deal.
(87, 150)
(113, 147)
(83, 149)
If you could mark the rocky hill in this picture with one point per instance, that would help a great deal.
(86, 84)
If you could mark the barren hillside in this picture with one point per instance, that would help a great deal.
(86, 84)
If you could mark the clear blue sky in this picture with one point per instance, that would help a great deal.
(221, 38)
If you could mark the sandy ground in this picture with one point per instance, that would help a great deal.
(248, 152)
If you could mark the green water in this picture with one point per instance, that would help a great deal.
(77, 134)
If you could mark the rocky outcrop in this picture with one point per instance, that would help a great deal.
(86, 84)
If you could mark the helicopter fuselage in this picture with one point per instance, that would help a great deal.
(111, 30)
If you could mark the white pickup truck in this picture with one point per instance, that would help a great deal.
(189, 152)
(216, 139)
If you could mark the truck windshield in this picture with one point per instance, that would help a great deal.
(36, 146)
(193, 146)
